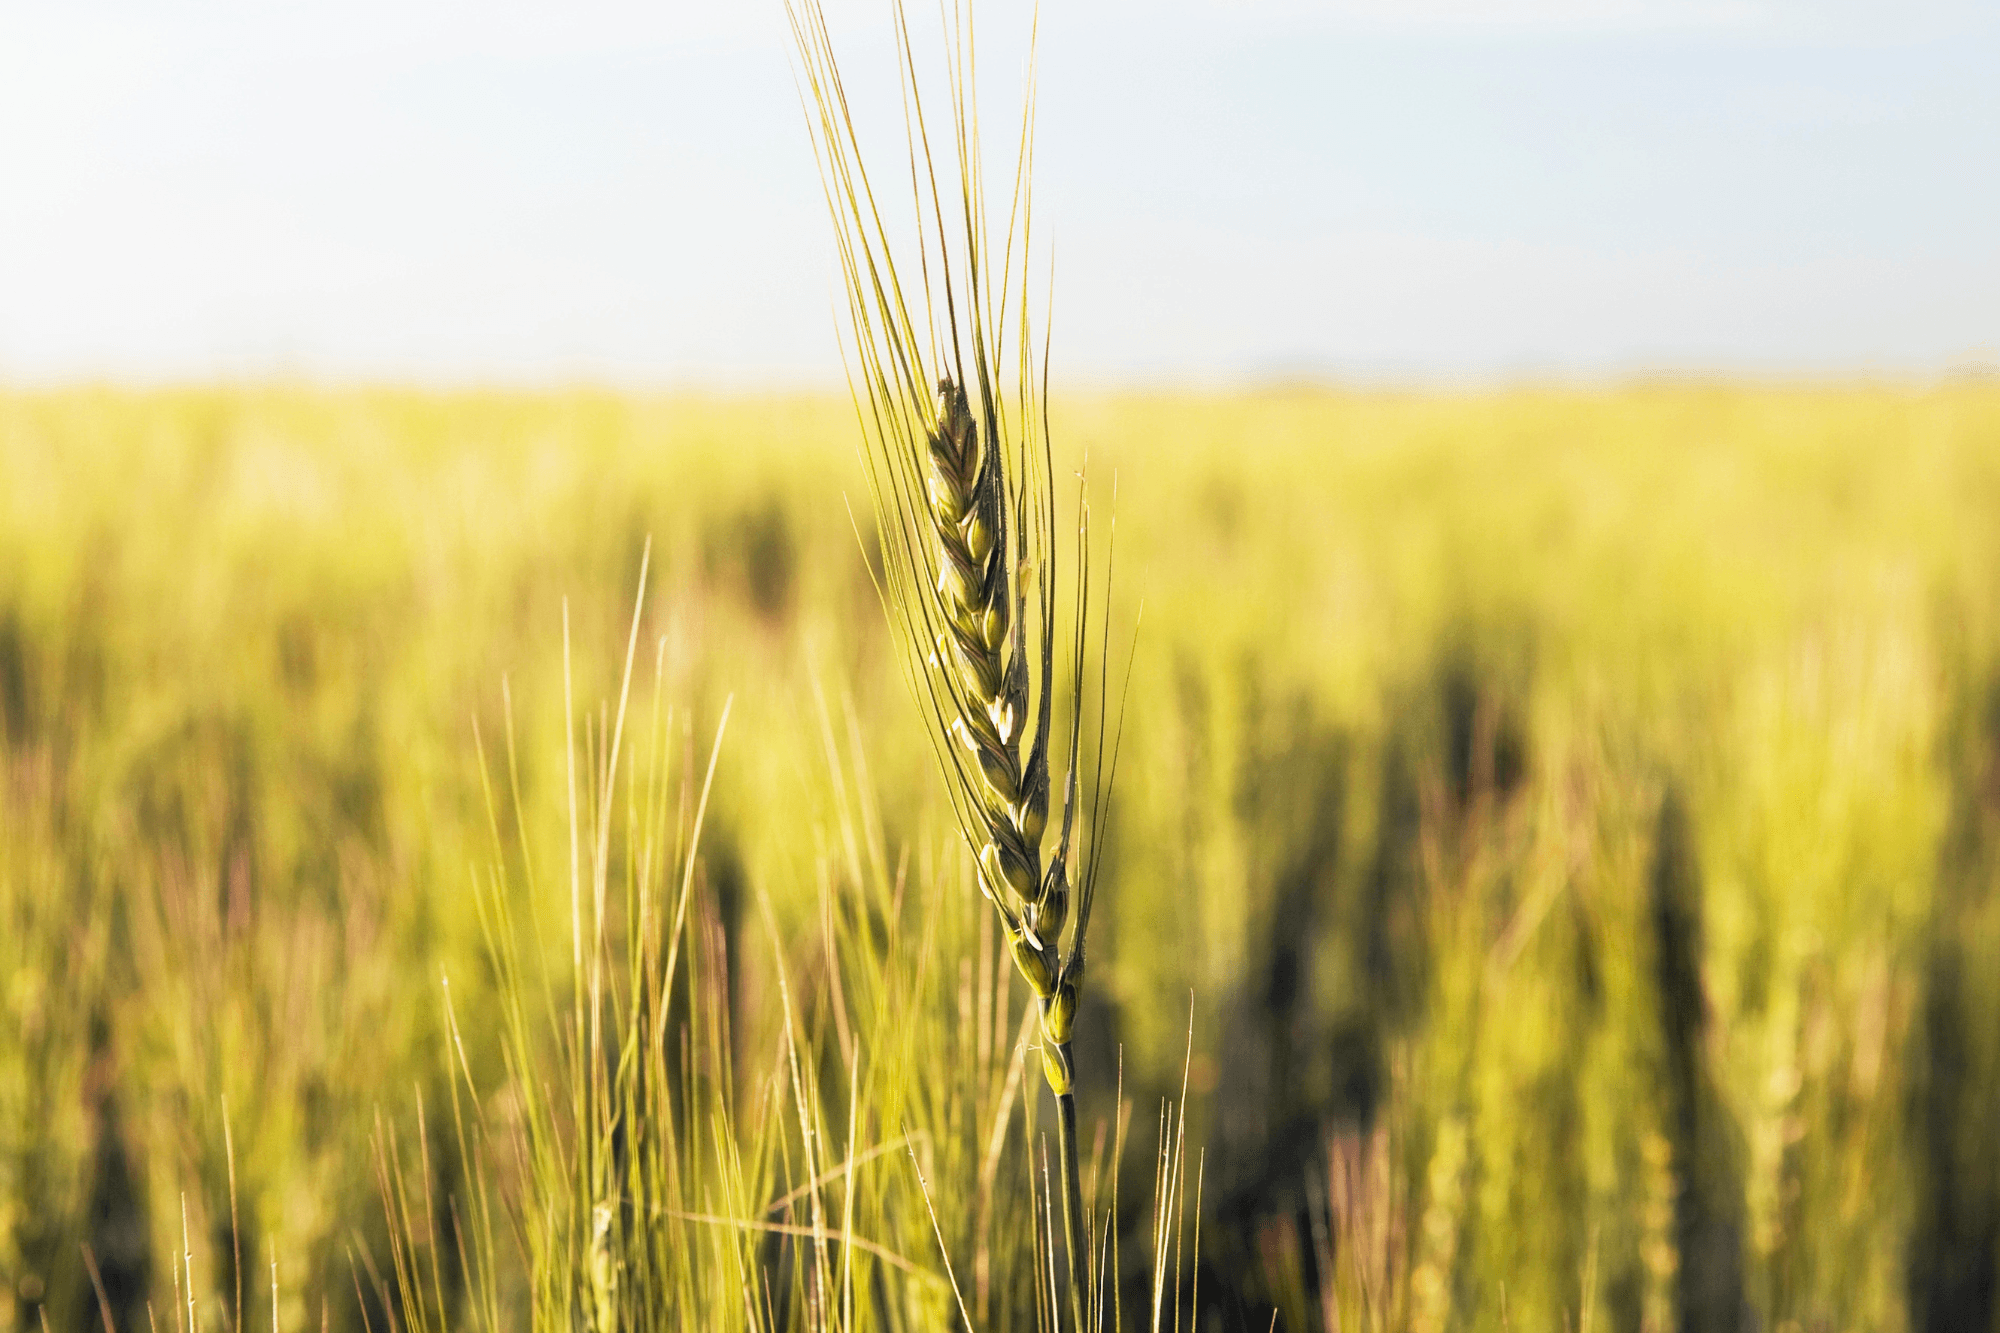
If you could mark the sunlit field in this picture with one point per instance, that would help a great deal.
(1553, 876)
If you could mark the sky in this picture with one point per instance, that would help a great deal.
(1351, 190)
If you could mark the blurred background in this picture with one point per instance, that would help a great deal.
(1557, 451)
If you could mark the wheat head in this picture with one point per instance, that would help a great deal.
(984, 648)
(962, 477)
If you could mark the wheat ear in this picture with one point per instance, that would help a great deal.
(984, 647)
(983, 655)
(962, 479)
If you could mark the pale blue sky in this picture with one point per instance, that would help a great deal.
(451, 191)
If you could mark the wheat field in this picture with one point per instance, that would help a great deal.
(1553, 879)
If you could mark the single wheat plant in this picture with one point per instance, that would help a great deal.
(951, 392)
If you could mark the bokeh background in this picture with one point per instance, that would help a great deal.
(1557, 465)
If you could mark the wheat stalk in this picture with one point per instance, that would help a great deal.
(962, 479)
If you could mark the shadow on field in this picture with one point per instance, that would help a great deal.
(1707, 1151)
(1341, 834)
(1383, 873)
(1361, 877)
(1954, 1260)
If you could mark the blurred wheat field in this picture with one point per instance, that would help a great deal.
(1568, 821)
